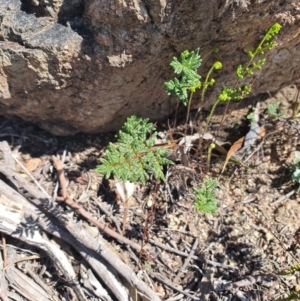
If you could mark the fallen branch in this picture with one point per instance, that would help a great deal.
(51, 225)
(53, 220)
(178, 252)
(11, 218)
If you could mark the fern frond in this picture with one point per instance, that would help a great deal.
(189, 80)
(206, 201)
(134, 156)
(272, 109)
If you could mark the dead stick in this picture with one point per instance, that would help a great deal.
(213, 263)
(59, 167)
(3, 239)
(282, 198)
(168, 283)
(187, 261)
(170, 249)
(265, 279)
(74, 232)
(117, 226)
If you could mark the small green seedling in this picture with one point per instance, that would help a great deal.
(272, 110)
(134, 156)
(206, 201)
(148, 266)
(295, 168)
(251, 117)
(210, 148)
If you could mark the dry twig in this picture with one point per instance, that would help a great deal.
(171, 285)
(53, 220)
(265, 279)
(59, 167)
(187, 261)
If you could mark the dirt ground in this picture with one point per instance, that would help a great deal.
(239, 253)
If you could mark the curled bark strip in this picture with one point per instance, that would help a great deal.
(235, 147)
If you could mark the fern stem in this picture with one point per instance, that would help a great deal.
(211, 112)
(205, 83)
(210, 148)
(188, 112)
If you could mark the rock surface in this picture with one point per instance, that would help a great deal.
(86, 65)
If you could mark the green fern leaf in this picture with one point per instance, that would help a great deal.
(134, 156)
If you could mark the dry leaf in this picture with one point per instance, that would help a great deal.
(262, 132)
(125, 189)
(235, 147)
(188, 140)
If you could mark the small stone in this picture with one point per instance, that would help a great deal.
(250, 182)
(94, 186)
(297, 288)
(247, 226)
(268, 236)
(237, 191)
(256, 234)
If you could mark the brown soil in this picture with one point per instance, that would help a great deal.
(238, 253)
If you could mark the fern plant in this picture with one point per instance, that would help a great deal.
(189, 80)
(134, 155)
(206, 201)
(272, 109)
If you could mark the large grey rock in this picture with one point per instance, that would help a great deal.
(85, 65)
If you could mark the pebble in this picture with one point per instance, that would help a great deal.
(251, 183)
(268, 236)
(237, 191)
(256, 234)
